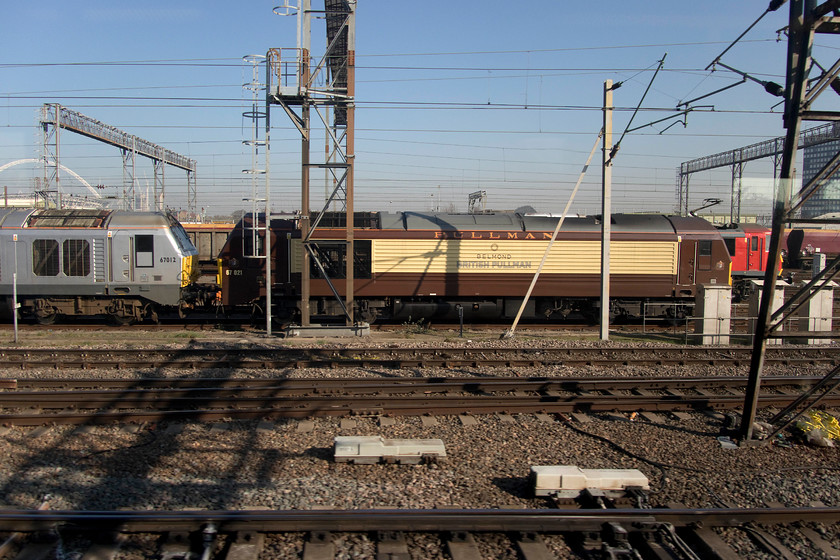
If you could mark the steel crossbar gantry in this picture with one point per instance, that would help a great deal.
(736, 158)
(55, 117)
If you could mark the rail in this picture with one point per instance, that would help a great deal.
(495, 520)
(396, 397)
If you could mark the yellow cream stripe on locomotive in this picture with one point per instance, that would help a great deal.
(449, 256)
(489, 257)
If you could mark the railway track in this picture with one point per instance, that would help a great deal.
(612, 533)
(397, 358)
(210, 400)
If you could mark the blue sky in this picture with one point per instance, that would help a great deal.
(452, 97)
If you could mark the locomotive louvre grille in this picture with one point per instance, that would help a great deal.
(98, 260)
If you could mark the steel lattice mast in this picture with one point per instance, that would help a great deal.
(301, 84)
(806, 19)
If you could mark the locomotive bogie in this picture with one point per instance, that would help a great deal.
(124, 265)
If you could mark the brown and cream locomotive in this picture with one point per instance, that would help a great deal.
(414, 266)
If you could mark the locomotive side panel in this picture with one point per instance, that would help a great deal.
(241, 264)
(61, 263)
(146, 263)
(489, 268)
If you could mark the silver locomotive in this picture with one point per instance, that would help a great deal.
(124, 265)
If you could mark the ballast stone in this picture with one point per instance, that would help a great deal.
(369, 450)
(567, 481)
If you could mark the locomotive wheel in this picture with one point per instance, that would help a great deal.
(121, 320)
(257, 314)
(45, 318)
(368, 315)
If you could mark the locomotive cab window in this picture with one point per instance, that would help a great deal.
(144, 251)
(362, 266)
(730, 246)
(184, 240)
(704, 255)
(253, 245)
(45, 259)
(76, 254)
(754, 243)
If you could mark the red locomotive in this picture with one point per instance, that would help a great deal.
(749, 247)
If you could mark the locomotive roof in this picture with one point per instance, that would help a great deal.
(87, 218)
(508, 221)
(14, 217)
(693, 225)
(650, 223)
(120, 218)
(451, 222)
(754, 228)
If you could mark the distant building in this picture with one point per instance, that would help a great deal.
(827, 198)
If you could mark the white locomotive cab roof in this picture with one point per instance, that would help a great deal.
(125, 219)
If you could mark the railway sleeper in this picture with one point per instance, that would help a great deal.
(643, 540)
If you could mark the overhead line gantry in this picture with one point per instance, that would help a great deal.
(54, 117)
(739, 156)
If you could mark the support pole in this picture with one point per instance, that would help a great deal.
(606, 210)
(58, 157)
(268, 259)
(509, 333)
(303, 80)
(350, 146)
(305, 280)
(15, 305)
